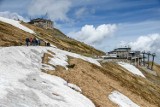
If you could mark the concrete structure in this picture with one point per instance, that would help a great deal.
(43, 23)
(124, 54)
(127, 55)
(121, 52)
(135, 57)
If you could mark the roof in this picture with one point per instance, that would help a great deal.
(124, 48)
(135, 52)
(120, 50)
(40, 20)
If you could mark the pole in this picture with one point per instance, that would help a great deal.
(143, 58)
(153, 55)
(148, 59)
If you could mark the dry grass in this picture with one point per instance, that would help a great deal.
(140, 86)
(60, 40)
(156, 68)
(12, 36)
(98, 82)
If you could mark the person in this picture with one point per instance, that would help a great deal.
(45, 43)
(34, 41)
(30, 40)
(39, 42)
(48, 44)
(27, 41)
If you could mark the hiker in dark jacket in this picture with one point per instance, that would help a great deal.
(48, 44)
(39, 42)
(34, 41)
(27, 41)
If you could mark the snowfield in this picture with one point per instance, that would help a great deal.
(121, 100)
(22, 84)
(16, 24)
(131, 68)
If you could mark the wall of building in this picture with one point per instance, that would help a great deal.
(122, 54)
(43, 24)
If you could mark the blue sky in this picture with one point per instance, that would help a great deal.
(104, 24)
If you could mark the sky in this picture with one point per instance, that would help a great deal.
(104, 24)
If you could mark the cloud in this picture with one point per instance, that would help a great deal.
(56, 9)
(14, 16)
(83, 11)
(93, 35)
(80, 12)
(146, 43)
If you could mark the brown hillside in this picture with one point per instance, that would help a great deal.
(154, 75)
(12, 36)
(98, 82)
(57, 38)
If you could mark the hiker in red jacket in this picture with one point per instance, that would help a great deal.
(31, 40)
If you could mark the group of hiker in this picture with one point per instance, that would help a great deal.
(33, 41)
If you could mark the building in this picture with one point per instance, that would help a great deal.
(124, 54)
(43, 23)
(135, 57)
(121, 52)
(133, 54)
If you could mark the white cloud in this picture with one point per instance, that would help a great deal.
(14, 16)
(93, 35)
(149, 43)
(56, 9)
(80, 12)
(146, 43)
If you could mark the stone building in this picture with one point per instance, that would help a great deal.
(43, 23)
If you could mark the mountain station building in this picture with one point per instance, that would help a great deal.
(43, 23)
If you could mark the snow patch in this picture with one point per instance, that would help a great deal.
(16, 24)
(24, 85)
(75, 87)
(121, 100)
(131, 68)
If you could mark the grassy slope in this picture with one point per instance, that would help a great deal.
(95, 82)
(98, 82)
(60, 40)
(12, 36)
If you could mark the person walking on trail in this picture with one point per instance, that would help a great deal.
(39, 42)
(31, 41)
(27, 41)
(34, 42)
(48, 44)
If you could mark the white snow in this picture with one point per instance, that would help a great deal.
(60, 58)
(131, 68)
(16, 24)
(121, 100)
(22, 84)
(75, 87)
